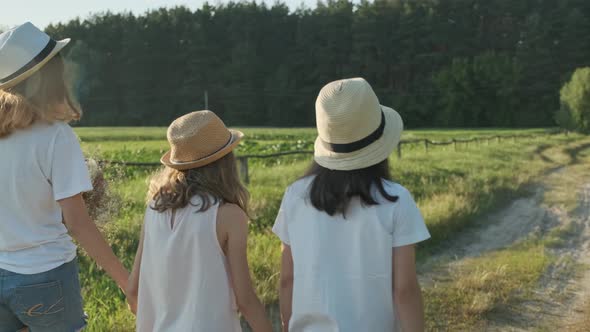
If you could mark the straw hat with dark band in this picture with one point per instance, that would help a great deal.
(354, 130)
(23, 51)
(198, 139)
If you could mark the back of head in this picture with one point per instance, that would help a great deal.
(331, 191)
(43, 97)
(33, 85)
(356, 135)
(200, 163)
(216, 182)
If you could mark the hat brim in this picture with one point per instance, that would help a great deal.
(15, 81)
(368, 156)
(236, 137)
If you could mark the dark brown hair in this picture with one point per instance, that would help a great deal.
(213, 183)
(332, 190)
(41, 97)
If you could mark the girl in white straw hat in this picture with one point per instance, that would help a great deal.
(42, 176)
(348, 231)
(191, 272)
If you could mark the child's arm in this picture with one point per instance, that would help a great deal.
(406, 290)
(286, 288)
(133, 284)
(82, 228)
(234, 223)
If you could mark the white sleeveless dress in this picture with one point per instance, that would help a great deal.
(184, 282)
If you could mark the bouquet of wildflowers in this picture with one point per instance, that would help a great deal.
(97, 200)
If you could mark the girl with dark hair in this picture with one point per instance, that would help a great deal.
(348, 231)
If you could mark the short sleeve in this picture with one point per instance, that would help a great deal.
(409, 226)
(281, 228)
(69, 175)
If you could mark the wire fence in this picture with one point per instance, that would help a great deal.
(243, 160)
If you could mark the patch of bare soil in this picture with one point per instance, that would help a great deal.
(519, 220)
(577, 316)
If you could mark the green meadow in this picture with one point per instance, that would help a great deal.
(452, 185)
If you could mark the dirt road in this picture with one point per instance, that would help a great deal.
(561, 300)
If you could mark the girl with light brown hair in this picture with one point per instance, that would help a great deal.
(42, 175)
(191, 271)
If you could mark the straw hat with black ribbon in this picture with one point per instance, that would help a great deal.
(198, 139)
(23, 51)
(354, 130)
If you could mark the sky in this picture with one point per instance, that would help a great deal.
(43, 12)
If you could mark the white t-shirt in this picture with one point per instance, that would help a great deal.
(343, 266)
(38, 166)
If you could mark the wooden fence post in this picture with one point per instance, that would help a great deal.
(498, 138)
(399, 150)
(243, 164)
(455, 144)
(426, 145)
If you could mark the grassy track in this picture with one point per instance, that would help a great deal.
(519, 285)
(451, 187)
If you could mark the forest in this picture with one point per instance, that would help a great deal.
(440, 63)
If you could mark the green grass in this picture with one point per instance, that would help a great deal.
(559, 236)
(560, 185)
(451, 187)
(480, 285)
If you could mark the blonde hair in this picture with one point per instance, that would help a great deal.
(217, 182)
(39, 98)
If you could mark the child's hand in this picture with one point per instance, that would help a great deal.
(130, 291)
(132, 304)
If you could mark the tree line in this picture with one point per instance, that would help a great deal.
(440, 63)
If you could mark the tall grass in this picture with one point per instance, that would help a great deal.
(480, 285)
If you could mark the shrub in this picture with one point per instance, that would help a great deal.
(575, 102)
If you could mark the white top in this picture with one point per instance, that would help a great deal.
(343, 266)
(184, 282)
(39, 166)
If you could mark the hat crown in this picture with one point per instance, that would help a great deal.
(347, 111)
(20, 45)
(197, 135)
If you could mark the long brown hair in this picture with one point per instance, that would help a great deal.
(41, 97)
(332, 190)
(217, 182)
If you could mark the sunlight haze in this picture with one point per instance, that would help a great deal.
(42, 12)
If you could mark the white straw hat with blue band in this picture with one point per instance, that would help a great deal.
(354, 130)
(23, 51)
